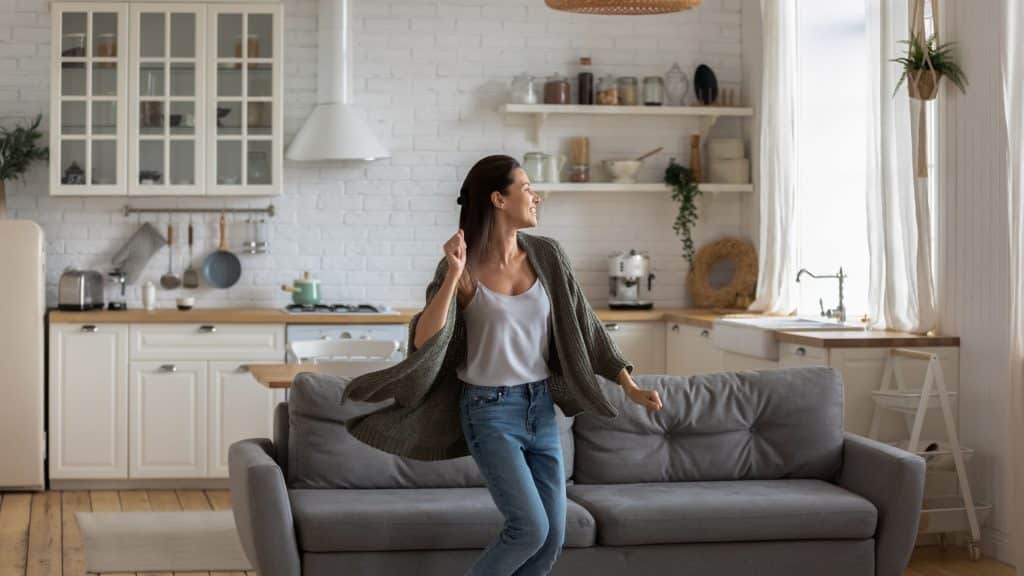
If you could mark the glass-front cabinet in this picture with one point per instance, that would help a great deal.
(167, 99)
(88, 99)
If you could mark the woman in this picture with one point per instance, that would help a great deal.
(506, 334)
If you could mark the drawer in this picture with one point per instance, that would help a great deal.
(207, 342)
(800, 354)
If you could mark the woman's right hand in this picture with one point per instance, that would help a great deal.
(455, 253)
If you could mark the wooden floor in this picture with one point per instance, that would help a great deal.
(39, 536)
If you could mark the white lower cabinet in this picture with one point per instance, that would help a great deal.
(689, 350)
(642, 343)
(239, 408)
(88, 401)
(168, 418)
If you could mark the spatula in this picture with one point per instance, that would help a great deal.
(191, 278)
(169, 281)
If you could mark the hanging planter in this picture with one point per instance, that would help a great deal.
(925, 64)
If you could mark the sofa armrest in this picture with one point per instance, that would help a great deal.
(893, 480)
(263, 513)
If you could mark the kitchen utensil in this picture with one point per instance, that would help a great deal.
(221, 268)
(261, 236)
(553, 164)
(191, 277)
(623, 171)
(80, 290)
(305, 291)
(533, 164)
(651, 153)
(169, 281)
(131, 258)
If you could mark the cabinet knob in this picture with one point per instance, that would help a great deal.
(207, 328)
(89, 328)
(800, 351)
(168, 368)
(612, 326)
(675, 327)
(243, 367)
(705, 333)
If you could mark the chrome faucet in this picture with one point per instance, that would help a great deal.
(839, 312)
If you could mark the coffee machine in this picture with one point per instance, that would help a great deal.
(630, 281)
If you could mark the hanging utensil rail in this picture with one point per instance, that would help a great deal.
(269, 210)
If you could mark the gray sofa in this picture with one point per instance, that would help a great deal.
(739, 473)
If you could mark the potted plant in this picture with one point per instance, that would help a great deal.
(684, 191)
(19, 149)
(925, 64)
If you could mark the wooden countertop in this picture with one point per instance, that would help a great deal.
(279, 375)
(864, 339)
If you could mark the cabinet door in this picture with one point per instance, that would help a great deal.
(88, 404)
(168, 402)
(244, 104)
(733, 362)
(689, 350)
(642, 343)
(166, 154)
(239, 408)
(801, 355)
(87, 107)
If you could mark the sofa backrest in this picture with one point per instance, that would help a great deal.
(770, 424)
(322, 454)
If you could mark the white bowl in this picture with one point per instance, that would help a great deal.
(186, 303)
(623, 171)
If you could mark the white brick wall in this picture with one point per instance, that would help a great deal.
(431, 76)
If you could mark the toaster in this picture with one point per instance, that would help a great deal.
(80, 290)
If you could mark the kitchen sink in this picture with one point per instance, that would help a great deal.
(755, 335)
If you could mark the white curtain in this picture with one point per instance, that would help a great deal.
(901, 293)
(776, 292)
(1013, 104)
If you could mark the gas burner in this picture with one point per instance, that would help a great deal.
(340, 308)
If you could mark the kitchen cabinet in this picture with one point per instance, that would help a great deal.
(167, 99)
(88, 401)
(168, 420)
(734, 362)
(689, 350)
(239, 408)
(642, 343)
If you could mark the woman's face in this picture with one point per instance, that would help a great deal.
(520, 204)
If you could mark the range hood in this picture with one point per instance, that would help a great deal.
(335, 130)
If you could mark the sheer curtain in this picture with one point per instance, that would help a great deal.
(1013, 103)
(901, 292)
(776, 292)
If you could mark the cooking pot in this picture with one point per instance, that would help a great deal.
(305, 291)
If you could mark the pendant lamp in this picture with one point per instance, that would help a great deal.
(622, 7)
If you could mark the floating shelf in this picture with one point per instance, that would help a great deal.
(707, 115)
(545, 189)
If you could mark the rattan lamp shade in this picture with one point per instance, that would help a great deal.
(622, 7)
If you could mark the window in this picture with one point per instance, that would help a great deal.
(831, 139)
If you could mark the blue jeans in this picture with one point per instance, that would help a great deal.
(513, 435)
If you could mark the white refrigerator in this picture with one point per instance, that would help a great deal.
(22, 376)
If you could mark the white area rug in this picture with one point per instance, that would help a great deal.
(161, 541)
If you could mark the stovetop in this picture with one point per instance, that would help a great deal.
(339, 308)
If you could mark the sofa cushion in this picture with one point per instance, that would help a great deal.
(322, 454)
(410, 519)
(763, 425)
(727, 511)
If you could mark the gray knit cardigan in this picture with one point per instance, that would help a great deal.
(423, 421)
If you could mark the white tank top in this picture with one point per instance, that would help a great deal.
(507, 337)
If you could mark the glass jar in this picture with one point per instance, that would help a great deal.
(627, 91)
(607, 91)
(654, 91)
(676, 85)
(521, 90)
(556, 89)
(585, 83)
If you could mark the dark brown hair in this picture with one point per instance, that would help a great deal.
(477, 215)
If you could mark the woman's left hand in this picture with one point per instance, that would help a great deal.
(647, 398)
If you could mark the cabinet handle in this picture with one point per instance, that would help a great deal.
(91, 328)
(800, 351)
(208, 328)
(612, 327)
(675, 327)
(168, 368)
(243, 367)
(705, 333)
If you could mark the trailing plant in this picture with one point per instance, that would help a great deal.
(19, 148)
(685, 191)
(923, 57)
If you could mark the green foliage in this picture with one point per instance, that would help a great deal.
(19, 148)
(684, 191)
(942, 58)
